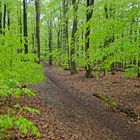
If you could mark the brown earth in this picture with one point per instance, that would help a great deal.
(69, 111)
(71, 97)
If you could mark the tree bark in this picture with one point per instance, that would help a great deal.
(73, 38)
(0, 17)
(20, 27)
(8, 18)
(37, 7)
(109, 13)
(50, 42)
(65, 33)
(4, 19)
(65, 24)
(19, 13)
(87, 44)
(25, 31)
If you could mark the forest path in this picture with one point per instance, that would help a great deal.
(91, 120)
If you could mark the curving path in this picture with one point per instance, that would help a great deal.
(89, 119)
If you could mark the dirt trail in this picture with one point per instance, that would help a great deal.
(90, 119)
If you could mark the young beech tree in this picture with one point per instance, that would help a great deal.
(25, 30)
(37, 7)
(65, 24)
(88, 69)
(4, 18)
(65, 31)
(73, 38)
(0, 17)
(50, 40)
(8, 16)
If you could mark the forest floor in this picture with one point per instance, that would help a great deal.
(78, 115)
(69, 111)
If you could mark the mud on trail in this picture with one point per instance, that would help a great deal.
(87, 117)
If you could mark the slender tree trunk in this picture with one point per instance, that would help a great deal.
(0, 17)
(37, 7)
(25, 32)
(109, 13)
(65, 25)
(33, 42)
(8, 19)
(20, 27)
(19, 13)
(58, 39)
(50, 42)
(60, 29)
(139, 47)
(4, 19)
(59, 33)
(87, 45)
(65, 33)
(139, 65)
(45, 47)
(73, 38)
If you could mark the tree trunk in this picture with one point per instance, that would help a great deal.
(65, 25)
(20, 29)
(19, 13)
(0, 17)
(50, 42)
(8, 18)
(87, 45)
(65, 34)
(109, 13)
(37, 7)
(25, 32)
(33, 42)
(73, 38)
(139, 66)
(4, 19)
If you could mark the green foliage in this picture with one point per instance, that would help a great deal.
(12, 80)
(114, 36)
(131, 72)
(30, 110)
(25, 126)
(114, 39)
(16, 71)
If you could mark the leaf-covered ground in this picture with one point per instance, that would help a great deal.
(69, 111)
(115, 86)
